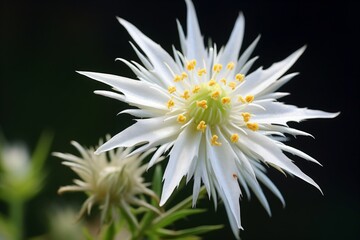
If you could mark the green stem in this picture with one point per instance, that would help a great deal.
(16, 216)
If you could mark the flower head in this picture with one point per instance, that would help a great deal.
(217, 118)
(111, 180)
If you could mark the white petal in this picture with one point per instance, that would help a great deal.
(246, 55)
(155, 53)
(184, 151)
(297, 153)
(269, 184)
(223, 164)
(260, 79)
(269, 152)
(280, 113)
(276, 85)
(194, 41)
(151, 132)
(136, 92)
(232, 48)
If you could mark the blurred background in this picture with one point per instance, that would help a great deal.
(42, 44)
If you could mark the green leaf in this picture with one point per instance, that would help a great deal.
(41, 151)
(190, 232)
(167, 219)
(156, 181)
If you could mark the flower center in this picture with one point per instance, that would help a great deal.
(209, 103)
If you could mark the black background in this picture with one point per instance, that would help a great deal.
(43, 43)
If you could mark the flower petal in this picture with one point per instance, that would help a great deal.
(222, 160)
(269, 152)
(194, 41)
(136, 92)
(232, 48)
(279, 113)
(184, 151)
(260, 79)
(155, 53)
(151, 132)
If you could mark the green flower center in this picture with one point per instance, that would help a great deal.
(209, 103)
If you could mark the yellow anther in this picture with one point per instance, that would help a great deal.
(212, 82)
(191, 65)
(225, 100)
(202, 104)
(171, 89)
(181, 118)
(215, 94)
(230, 66)
(232, 85)
(170, 104)
(177, 78)
(185, 95)
(201, 126)
(223, 80)
(234, 138)
(202, 72)
(253, 126)
(249, 98)
(240, 77)
(214, 141)
(196, 89)
(241, 99)
(217, 67)
(184, 75)
(246, 116)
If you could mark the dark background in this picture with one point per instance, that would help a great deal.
(43, 43)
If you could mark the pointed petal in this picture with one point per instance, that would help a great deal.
(223, 164)
(260, 79)
(194, 41)
(232, 48)
(269, 152)
(151, 132)
(136, 92)
(184, 151)
(155, 53)
(246, 55)
(280, 113)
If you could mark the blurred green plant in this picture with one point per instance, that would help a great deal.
(21, 178)
(129, 209)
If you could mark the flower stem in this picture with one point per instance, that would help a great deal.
(16, 216)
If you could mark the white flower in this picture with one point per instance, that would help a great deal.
(112, 180)
(218, 120)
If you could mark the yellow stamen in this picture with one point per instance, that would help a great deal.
(225, 100)
(249, 98)
(246, 116)
(184, 75)
(253, 126)
(232, 85)
(234, 138)
(181, 118)
(171, 89)
(201, 126)
(223, 80)
(217, 67)
(240, 77)
(202, 104)
(185, 95)
(215, 94)
(191, 65)
(214, 141)
(170, 104)
(212, 82)
(177, 78)
(196, 89)
(201, 72)
(241, 99)
(230, 66)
